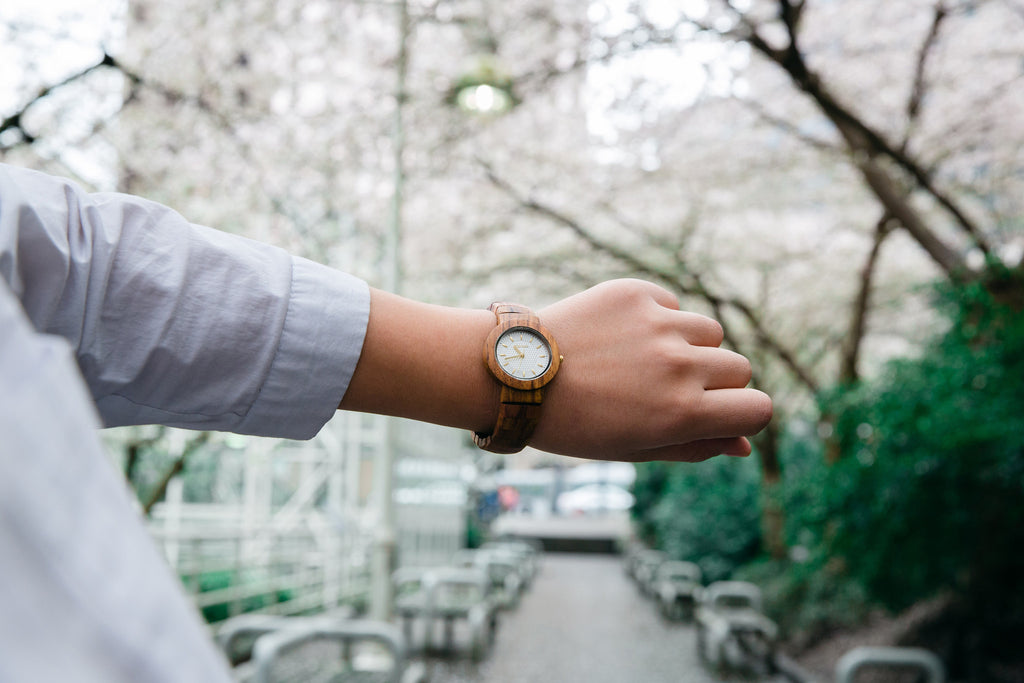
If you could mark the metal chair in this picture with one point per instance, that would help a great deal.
(387, 662)
(890, 657)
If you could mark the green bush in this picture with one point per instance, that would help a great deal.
(810, 593)
(707, 513)
(209, 581)
(927, 497)
(217, 580)
(808, 599)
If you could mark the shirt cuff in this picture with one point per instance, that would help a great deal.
(321, 341)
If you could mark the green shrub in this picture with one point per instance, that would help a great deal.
(808, 599)
(708, 513)
(927, 497)
(209, 581)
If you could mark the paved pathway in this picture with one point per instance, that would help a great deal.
(583, 620)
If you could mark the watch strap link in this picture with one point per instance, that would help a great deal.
(502, 311)
(518, 415)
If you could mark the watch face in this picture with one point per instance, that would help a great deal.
(523, 353)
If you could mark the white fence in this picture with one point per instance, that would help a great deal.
(299, 532)
(232, 565)
(292, 564)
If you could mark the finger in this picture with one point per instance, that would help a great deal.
(733, 412)
(661, 296)
(699, 330)
(696, 451)
(722, 368)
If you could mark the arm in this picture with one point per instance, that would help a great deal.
(175, 323)
(641, 380)
(178, 324)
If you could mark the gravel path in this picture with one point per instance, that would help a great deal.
(582, 620)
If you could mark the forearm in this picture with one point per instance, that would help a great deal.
(425, 362)
(640, 379)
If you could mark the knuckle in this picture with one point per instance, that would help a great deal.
(744, 368)
(675, 357)
(763, 410)
(715, 330)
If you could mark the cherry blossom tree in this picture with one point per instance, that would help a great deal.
(796, 169)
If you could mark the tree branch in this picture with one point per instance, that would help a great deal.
(617, 47)
(176, 468)
(923, 54)
(695, 287)
(14, 121)
(849, 360)
(133, 452)
(895, 201)
(794, 131)
(762, 335)
(863, 140)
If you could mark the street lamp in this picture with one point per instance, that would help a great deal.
(483, 88)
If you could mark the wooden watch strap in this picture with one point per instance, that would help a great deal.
(518, 415)
(518, 409)
(500, 308)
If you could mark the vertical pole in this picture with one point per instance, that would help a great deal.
(383, 560)
(332, 547)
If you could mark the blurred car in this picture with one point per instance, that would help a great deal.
(591, 498)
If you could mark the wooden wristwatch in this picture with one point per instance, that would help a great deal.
(523, 356)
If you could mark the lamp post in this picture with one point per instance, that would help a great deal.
(382, 562)
(482, 89)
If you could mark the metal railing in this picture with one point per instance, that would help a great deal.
(231, 565)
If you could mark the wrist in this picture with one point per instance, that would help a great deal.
(423, 362)
(522, 355)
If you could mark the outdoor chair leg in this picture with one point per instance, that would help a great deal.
(449, 633)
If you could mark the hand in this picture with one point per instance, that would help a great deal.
(642, 380)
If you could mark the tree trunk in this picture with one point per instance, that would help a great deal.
(773, 517)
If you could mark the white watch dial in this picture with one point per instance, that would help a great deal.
(523, 353)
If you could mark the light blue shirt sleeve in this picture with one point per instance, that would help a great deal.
(86, 596)
(167, 322)
(175, 323)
